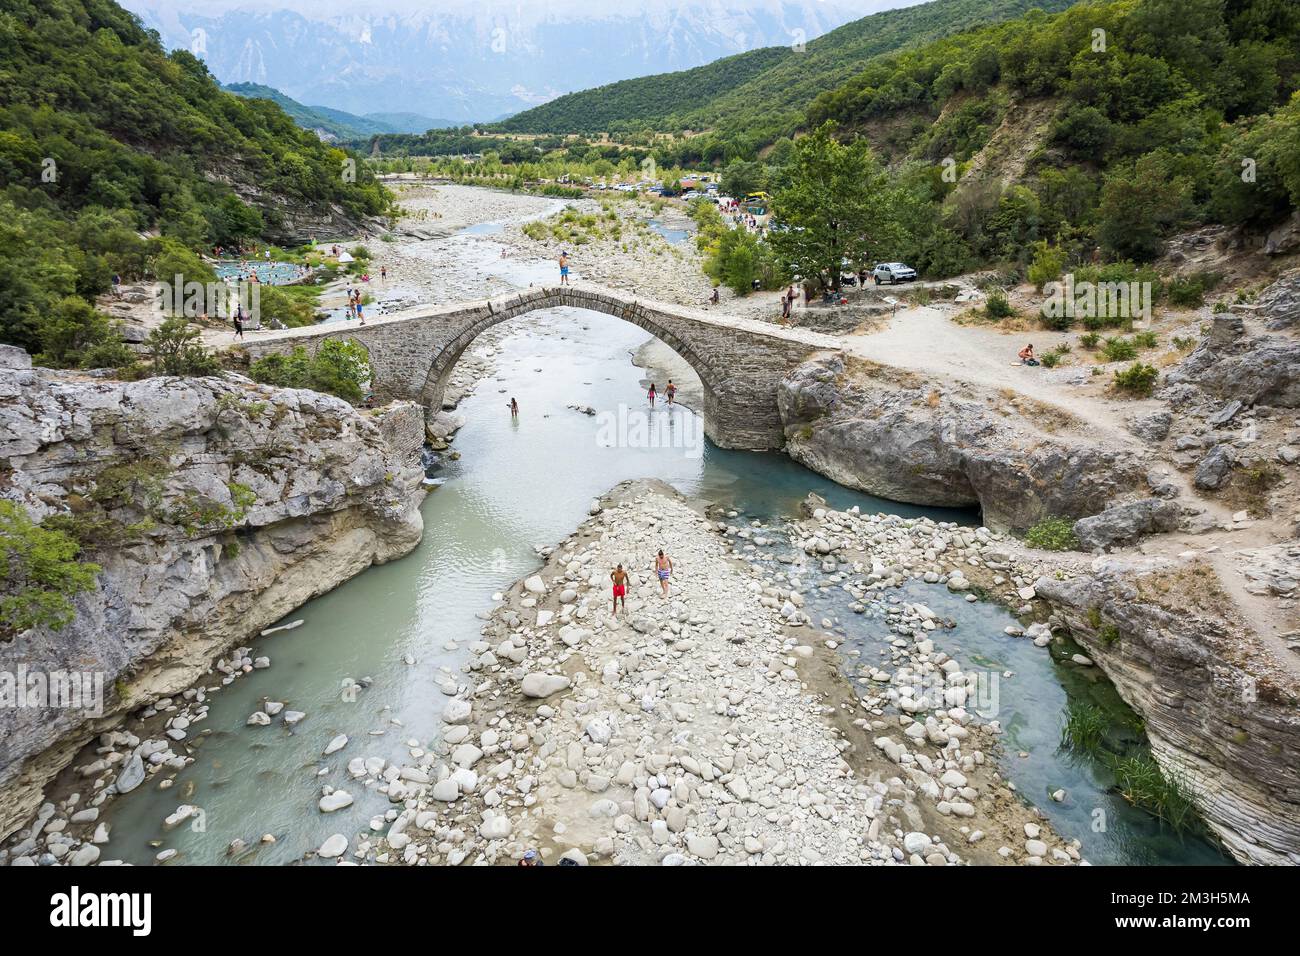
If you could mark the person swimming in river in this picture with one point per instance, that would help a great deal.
(663, 568)
(619, 578)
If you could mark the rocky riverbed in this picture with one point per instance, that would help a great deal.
(713, 726)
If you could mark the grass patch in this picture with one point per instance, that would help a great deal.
(1053, 534)
(1085, 728)
(1142, 783)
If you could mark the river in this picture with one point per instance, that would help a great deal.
(520, 484)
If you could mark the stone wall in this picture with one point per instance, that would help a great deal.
(740, 361)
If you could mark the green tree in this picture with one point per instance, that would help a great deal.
(39, 574)
(340, 367)
(1140, 203)
(76, 335)
(834, 203)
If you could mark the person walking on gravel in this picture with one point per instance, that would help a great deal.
(619, 577)
(663, 568)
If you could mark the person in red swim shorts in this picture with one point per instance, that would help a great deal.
(619, 577)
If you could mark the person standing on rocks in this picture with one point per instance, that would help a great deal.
(564, 268)
(663, 568)
(619, 577)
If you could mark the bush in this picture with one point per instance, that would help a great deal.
(1138, 379)
(1119, 350)
(1047, 264)
(1189, 291)
(998, 307)
(1089, 340)
(76, 335)
(1050, 359)
(1052, 534)
(39, 574)
(1145, 340)
(175, 349)
(339, 368)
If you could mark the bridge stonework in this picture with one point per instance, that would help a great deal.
(740, 361)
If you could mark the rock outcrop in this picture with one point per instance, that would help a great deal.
(1231, 364)
(1124, 524)
(1220, 710)
(899, 436)
(214, 506)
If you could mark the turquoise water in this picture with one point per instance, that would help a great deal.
(672, 235)
(268, 273)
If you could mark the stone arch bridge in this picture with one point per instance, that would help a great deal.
(740, 361)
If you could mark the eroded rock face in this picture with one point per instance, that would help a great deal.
(898, 436)
(1220, 710)
(247, 501)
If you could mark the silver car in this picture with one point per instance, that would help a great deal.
(892, 272)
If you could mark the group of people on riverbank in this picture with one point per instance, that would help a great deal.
(619, 577)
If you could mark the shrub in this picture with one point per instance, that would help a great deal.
(1050, 359)
(1189, 291)
(1052, 534)
(39, 574)
(339, 368)
(175, 349)
(1089, 340)
(1047, 264)
(998, 307)
(1119, 350)
(76, 335)
(1145, 340)
(1138, 379)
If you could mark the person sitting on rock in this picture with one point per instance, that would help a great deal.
(1027, 355)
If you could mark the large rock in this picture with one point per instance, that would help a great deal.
(1214, 468)
(1124, 524)
(1219, 710)
(330, 496)
(1231, 365)
(543, 685)
(897, 435)
(1279, 305)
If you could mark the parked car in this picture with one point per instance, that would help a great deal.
(892, 272)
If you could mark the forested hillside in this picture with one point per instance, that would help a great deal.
(760, 95)
(1160, 114)
(104, 136)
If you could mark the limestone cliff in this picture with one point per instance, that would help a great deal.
(215, 506)
(1220, 708)
(898, 435)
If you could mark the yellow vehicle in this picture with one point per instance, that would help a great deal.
(760, 197)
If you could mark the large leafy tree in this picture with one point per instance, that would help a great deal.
(834, 203)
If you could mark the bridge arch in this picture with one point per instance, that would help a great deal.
(740, 361)
(435, 385)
